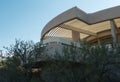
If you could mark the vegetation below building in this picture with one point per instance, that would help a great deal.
(99, 63)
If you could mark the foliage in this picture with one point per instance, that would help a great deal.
(22, 50)
(17, 65)
(100, 63)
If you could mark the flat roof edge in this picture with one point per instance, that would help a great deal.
(63, 17)
(77, 13)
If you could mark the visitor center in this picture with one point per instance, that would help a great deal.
(75, 25)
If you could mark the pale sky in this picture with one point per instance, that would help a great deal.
(24, 19)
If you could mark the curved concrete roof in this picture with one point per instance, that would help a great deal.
(75, 12)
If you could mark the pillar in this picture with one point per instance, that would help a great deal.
(75, 36)
(113, 31)
(98, 40)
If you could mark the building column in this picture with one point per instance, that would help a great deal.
(75, 36)
(113, 31)
(98, 40)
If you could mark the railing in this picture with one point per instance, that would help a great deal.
(60, 40)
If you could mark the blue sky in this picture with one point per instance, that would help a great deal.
(24, 19)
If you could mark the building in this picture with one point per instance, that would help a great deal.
(75, 25)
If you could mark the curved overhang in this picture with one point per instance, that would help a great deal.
(65, 16)
(76, 13)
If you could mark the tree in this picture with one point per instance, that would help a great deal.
(38, 51)
(99, 63)
(22, 50)
(17, 62)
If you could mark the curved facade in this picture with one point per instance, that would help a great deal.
(76, 25)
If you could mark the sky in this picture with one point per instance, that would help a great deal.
(25, 19)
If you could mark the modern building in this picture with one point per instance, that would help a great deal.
(75, 25)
